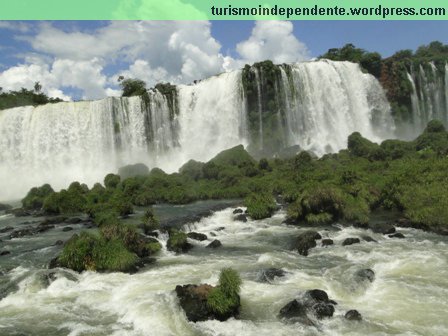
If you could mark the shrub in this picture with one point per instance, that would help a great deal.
(113, 256)
(177, 241)
(260, 206)
(150, 221)
(111, 181)
(34, 200)
(65, 202)
(225, 297)
(78, 252)
(138, 169)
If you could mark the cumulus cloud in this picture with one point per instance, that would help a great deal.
(273, 40)
(154, 51)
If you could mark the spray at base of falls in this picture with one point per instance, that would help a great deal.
(315, 105)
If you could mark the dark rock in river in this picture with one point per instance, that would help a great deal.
(6, 229)
(353, 315)
(214, 244)
(4, 207)
(269, 274)
(241, 218)
(73, 220)
(322, 310)
(193, 300)
(295, 311)
(54, 263)
(21, 232)
(58, 242)
(197, 236)
(238, 211)
(382, 228)
(3, 253)
(368, 239)
(20, 212)
(67, 228)
(327, 242)
(54, 220)
(397, 235)
(305, 241)
(350, 241)
(365, 274)
(317, 301)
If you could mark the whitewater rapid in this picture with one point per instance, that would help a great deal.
(407, 297)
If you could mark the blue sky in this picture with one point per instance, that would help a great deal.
(82, 59)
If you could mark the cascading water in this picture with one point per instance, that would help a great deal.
(429, 95)
(315, 105)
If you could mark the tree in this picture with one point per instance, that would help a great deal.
(132, 87)
(37, 87)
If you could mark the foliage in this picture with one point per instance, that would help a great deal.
(177, 241)
(260, 206)
(111, 181)
(34, 199)
(132, 87)
(150, 221)
(225, 297)
(25, 97)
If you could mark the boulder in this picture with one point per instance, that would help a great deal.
(238, 211)
(20, 212)
(67, 228)
(53, 220)
(73, 220)
(322, 310)
(6, 229)
(350, 241)
(21, 232)
(368, 239)
(269, 274)
(5, 207)
(197, 236)
(241, 218)
(353, 315)
(327, 242)
(214, 244)
(58, 242)
(193, 300)
(295, 312)
(177, 242)
(306, 241)
(365, 274)
(3, 253)
(397, 235)
(383, 228)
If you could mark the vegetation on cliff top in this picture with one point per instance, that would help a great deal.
(25, 97)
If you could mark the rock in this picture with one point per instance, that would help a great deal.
(43, 228)
(6, 229)
(54, 263)
(5, 207)
(21, 232)
(3, 253)
(20, 212)
(353, 315)
(54, 220)
(212, 234)
(382, 228)
(73, 220)
(241, 218)
(238, 211)
(350, 241)
(397, 235)
(58, 242)
(221, 228)
(214, 244)
(193, 300)
(368, 239)
(67, 228)
(177, 242)
(322, 310)
(197, 236)
(327, 242)
(317, 295)
(305, 241)
(295, 311)
(365, 274)
(269, 274)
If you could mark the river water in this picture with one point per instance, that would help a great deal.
(409, 295)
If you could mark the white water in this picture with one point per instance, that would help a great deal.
(409, 295)
(84, 141)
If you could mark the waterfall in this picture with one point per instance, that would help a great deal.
(429, 96)
(315, 105)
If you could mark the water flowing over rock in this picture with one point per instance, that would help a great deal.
(314, 105)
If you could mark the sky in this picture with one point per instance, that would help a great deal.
(82, 59)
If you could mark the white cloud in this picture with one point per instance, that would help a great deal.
(273, 40)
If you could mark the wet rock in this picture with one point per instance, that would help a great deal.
(154, 234)
(323, 310)
(177, 242)
(5, 207)
(241, 218)
(306, 241)
(6, 229)
(212, 234)
(238, 211)
(269, 274)
(21, 232)
(221, 228)
(365, 274)
(327, 242)
(73, 220)
(214, 244)
(397, 235)
(67, 228)
(54, 220)
(368, 239)
(197, 236)
(353, 315)
(317, 295)
(3, 253)
(58, 242)
(295, 311)
(382, 228)
(20, 212)
(350, 241)
(193, 300)
(43, 228)
(54, 263)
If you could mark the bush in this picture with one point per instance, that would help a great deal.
(362, 147)
(34, 200)
(65, 202)
(112, 181)
(138, 169)
(150, 221)
(260, 206)
(177, 241)
(225, 297)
